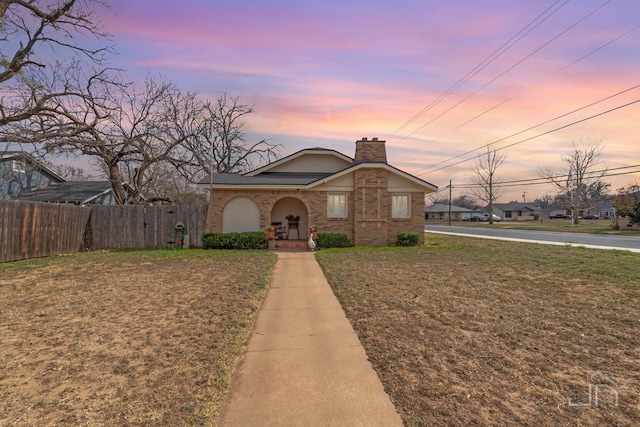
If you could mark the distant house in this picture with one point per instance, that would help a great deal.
(74, 192)
(606, 210)
(363, 197)
(440, 211)
(20, 172)
(515, 211)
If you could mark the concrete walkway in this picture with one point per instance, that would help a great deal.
(304, 364)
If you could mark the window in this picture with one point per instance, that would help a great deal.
(337, 205)
(18, 166)
(401, 206)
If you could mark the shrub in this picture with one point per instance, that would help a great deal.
(408, 238)
(333, 240)
(246, 240)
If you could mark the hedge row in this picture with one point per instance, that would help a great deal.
(246, 240)
(258, 240)
(333, 240)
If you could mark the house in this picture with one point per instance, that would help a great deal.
(440, 211)
(74, 192)
(21, 172)
(606, 210)
(515, 211)
(363, 197)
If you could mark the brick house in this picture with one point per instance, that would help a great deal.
(365, 198)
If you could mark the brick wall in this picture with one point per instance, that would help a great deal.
(368, 223)
(315, 202)
(415, 223)
(372, 207)
(371, 150)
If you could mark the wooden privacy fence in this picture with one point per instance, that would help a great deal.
(31, 229)
(151, 227)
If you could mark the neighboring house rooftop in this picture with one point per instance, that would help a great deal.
(76, 192)
(440, 207)
(29, 160)
(514, 206)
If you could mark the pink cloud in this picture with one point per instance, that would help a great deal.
(336, 71)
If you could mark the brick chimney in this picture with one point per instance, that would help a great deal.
(370, 151)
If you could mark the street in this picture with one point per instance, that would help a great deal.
(598, 241)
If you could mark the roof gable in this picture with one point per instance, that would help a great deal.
(32, 162)
(413, 179)
(314, 160)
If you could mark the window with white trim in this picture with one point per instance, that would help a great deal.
(18, 166)
(337, 205)
(401, 206)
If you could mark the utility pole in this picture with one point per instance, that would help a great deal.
(449, 202)
(524, 197)
(211, 187)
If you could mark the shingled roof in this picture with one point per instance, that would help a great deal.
(267, 178)
(76, 192)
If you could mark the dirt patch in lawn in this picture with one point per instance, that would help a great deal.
(473, 332)
(124, 338)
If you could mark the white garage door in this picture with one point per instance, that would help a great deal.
(240, 214)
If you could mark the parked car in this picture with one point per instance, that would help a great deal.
(496, 218)
(591, 217)
(477, 218)
(560, 216)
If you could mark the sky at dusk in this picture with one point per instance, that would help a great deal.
(436, 80)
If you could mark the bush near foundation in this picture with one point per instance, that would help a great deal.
(408, 239)
(247, 240)
(333, 240)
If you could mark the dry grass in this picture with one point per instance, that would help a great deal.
(124, 338)
(469, 332)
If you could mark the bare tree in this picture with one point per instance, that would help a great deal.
(465, 201)
(544, 201)
(126, 130)
(144, 139)
(485, 179)
(39, 41)
(582, 172)
(438, 199)
(221, 145)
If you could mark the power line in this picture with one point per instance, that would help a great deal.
(566, 30)
(533, 127)
(541, 181)
(488, 60)
(599, 48)
(533, 137)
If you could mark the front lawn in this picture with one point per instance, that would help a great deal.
(125, 338)
(477, 332)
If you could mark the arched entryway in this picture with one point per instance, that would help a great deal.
(240, 214)
(292, 206)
